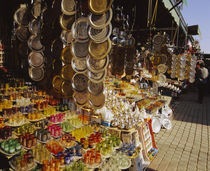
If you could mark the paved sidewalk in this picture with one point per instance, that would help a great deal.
(187, 145)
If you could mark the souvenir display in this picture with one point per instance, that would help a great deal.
(98, 93)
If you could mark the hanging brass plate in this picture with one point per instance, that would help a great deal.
(97, 101)
(67, 72)
(99, 6)
(95, 88)
(80, 82)
(66, 55)
(66, 89)
(67, 21)
(99, 50)
(36, 73)
(80, 98)
(57, 82)
(96, 65)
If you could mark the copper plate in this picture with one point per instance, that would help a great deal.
(34, 43)
(80, 29)
(68, 7)
(35, 59)
(57, 82)
(80, 98)
(66, 55)
(99, 50)
(100, 21)
(96, 65)
(67, 72)
(66, 21)
(95, 88)
(97, 101)
(80, 82)
(36, 74)
(79, 64)
(99, 6)
(66, 88)
(97, 77)
(79, 49)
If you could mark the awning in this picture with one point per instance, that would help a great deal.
(173, 12)
(178, 18)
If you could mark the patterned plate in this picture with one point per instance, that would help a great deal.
(96, 65)
(80, 82)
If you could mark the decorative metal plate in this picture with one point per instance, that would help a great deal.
(99, 6)
(100, 21)
(66, 37)
(36, 59)
(57, 82)
(66, 21)
(95, 88)
(97, 101)
(80, 29)
(79, 64)
(67, 72)
(96, 65)
(100, 35)
(66, 88)
(34, 43)
(79, 49)
(22, 33)
(99, 50)
(34, 26)
(20, 16)
(97, 77)
(36, 73)
(66, 55)
(68, 7)
(80, 82)
(80, 98)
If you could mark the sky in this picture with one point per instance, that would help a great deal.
(198, 12)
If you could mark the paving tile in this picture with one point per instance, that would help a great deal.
(185, 147)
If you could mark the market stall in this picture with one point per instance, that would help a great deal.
(86, 98)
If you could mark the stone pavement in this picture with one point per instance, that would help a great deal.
(187, 145)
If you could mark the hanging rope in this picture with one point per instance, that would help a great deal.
(154, 16)
(175, 34)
